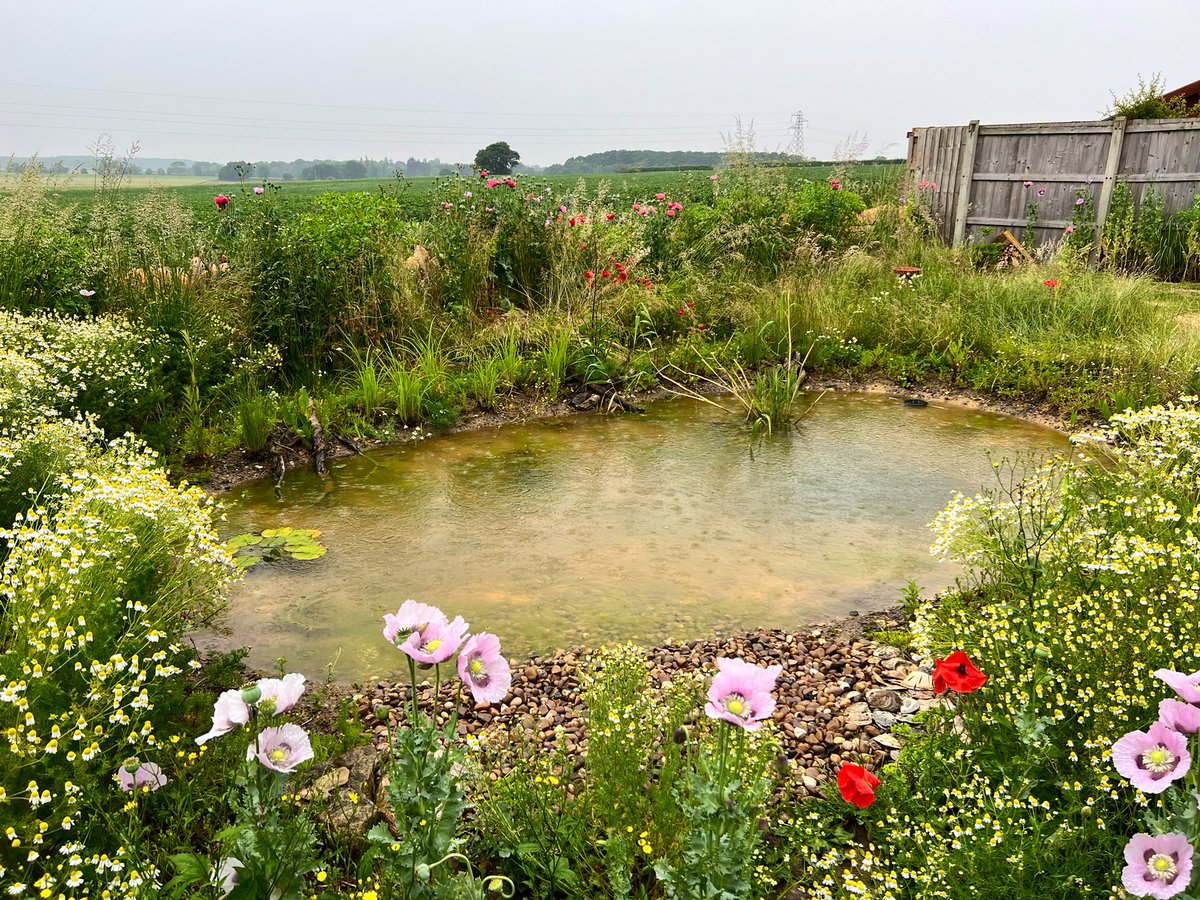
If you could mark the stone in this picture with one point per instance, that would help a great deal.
(883, 699)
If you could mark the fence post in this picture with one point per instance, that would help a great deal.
(966, 171)
(1111, 166)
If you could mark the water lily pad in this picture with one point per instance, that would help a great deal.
(273, 544)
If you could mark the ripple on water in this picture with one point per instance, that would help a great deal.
(593, 529)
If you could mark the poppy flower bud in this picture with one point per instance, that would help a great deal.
(680, 735)
(251, 695)
(422, 872)
(381, 712)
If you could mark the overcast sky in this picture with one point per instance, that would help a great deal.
(286, 79)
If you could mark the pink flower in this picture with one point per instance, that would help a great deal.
(226, 877)
(1041, 192)
(1186, 686)
(229, 711)
(258, 190)
(221, 200)
(537, 199)
(1070, 229)
(834, 185)
(446, 205)
(483, 173)
(492, 182)
(660, 196)
(147, 775)
(1178, 716)
(510, 183)
(741, 693)
(483, 669)
(410, 617)
(713, 177)
(436, 642)
(562, 209)
(1152, 759)
(281, 749)
(1157, 866)
(1079, 201)
(280, 695)
(671, 213)
(1028, 184)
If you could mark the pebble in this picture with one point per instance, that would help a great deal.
(838, 695)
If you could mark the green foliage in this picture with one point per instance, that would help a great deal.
(1146, 101)
(497, 158)
(274, 544)
(424, 796)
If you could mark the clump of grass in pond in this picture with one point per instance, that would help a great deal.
(554, 358)
(256, 420)
(406, 391)
(274, 544)
(366, 383)
(482, 380)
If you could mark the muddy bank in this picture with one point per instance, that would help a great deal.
(240, 466)
(838, 698)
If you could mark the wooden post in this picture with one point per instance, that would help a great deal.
(1112, 165)
(966, 171)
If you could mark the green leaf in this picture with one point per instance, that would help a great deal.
(314, 553)
(242, 540)
(276, 532)
(246, 562)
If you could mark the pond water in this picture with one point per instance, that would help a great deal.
(592, 529)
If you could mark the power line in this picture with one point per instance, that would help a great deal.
(272, 137)
(586, 115)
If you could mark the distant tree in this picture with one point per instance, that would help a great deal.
(234, 171)
(354, 168)
(497, 158)
(288, 176)
(179, 167)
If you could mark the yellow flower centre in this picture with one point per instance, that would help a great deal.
(277, 755)
(1162, 867)
(430, 646)
(736, 705)
(1158, 760)
(475, 666)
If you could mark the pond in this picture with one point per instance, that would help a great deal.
(592, 529)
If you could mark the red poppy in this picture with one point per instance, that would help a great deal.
(483, 173)
(604, 273)
(833, 184)
(1050, 283)
(621, 276)
(572, 221)
(221, 200)
(610, 217)
(957, 673)
(691, 303)
(510, 182)
(588, 275)
(701, 326)
(857, 785)
(679, 312)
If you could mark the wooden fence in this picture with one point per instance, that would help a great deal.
(974, 176)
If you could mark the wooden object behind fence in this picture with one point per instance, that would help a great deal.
(980, 172)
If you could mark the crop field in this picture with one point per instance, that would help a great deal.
(198, 192)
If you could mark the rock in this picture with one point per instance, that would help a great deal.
(883, 699)
(884, 720)
(858, 715)
(352, 788)
(918, 680)
(888, 741)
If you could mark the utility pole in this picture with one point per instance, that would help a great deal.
(796, 129)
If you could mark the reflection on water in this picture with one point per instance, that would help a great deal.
(594, 529)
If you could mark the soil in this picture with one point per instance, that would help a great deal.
(240, 466)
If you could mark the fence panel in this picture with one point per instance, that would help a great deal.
(1064, 162)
